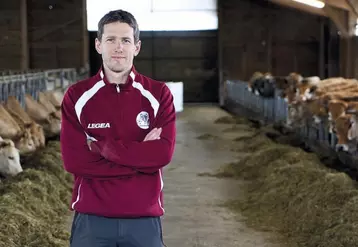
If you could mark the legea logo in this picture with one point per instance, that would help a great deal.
(98, 125)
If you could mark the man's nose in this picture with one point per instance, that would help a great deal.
(119, 46)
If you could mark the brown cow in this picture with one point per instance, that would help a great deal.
(50, 122)
(23, 119)
(337, 108)
(8, 126)
(346, 131)
(330, 85)
(23, 138)
(44, 100)
(55, 97)
(294, 78)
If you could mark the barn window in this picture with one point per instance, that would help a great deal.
(159, 15)
(313, 3)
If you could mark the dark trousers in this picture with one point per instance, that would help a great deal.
(95, 231)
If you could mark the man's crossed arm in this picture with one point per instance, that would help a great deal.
(114, 158)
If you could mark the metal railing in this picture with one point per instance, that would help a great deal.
(276, 110)
(19, 83)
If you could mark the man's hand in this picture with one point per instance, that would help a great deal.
(154, 134)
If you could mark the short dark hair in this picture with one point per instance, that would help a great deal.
(120, 16)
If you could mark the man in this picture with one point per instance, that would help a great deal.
(117, 133)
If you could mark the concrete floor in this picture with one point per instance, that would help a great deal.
(193, 216)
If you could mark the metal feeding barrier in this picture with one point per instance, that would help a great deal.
(14, 83)
(275, 110)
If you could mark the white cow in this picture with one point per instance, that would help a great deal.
(9, 158)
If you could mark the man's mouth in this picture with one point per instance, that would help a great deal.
(117, 57)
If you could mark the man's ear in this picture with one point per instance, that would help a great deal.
(137, 47)
(98, 46)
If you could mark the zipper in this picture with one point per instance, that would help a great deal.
(120, 112)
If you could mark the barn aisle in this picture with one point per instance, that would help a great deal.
(193, 216)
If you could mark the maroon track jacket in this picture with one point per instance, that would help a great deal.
(121, 176)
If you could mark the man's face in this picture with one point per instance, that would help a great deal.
(117, 46)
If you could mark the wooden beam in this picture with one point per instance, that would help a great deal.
(321, 57)
(85, 57)
(300, 6)
(352, 22)
(347, 49)
(353, 6)
(54, 29)
(24, 63)
(342, 4)
(222, 85)
(345, 57)
(339, 18)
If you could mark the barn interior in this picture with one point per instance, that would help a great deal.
(265, 94)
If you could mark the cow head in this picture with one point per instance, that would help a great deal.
(336, 108)
(55, 123)
(294, 78)
(9, 158)
(24, 142)
(256, 75)
(281, 83)
(290, 94)
(37, 134)
(316, 109)
(307, 86)
(267, 86)
(346, 131)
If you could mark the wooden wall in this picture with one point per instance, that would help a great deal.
(256, 35)
(10, 39)
(41, 34)
(259, 36)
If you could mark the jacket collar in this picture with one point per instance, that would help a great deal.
(127, 86)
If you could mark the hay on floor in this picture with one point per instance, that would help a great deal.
(291, 192)
(207, 136)
(34, 204)
(231, 120)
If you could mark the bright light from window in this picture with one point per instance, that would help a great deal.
(176, 21)
(313, 3)
(186, 5)
(159, 15)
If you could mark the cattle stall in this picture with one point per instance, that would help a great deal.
(18, 84)
(275, 110)
(281, 37)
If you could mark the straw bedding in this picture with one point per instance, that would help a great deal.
(291, 192)
(34, 204)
